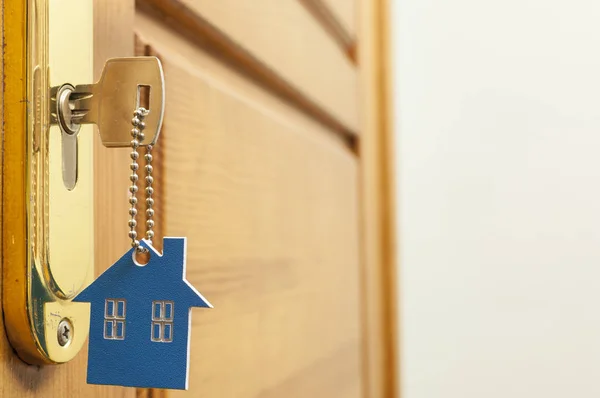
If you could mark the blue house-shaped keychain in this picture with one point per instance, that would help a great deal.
(140, 320)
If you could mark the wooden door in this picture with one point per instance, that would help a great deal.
(273, 161)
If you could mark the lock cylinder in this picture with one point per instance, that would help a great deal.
(62, 110)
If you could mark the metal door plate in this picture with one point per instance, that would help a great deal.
(48, 240)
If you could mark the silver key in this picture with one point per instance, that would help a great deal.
(125, 84)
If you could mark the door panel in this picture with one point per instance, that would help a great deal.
(268, 200)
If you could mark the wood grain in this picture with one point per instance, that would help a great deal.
(18, 378)
(281, 35)
(268, 201)
(380, 330)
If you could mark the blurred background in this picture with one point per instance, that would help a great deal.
(497, 142)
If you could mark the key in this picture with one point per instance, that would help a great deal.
(125, 84)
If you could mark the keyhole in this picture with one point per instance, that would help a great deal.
(68, 132)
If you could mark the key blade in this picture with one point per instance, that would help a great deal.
(117, 95)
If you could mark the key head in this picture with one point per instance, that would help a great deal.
(123, 87)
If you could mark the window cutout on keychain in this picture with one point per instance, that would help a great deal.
(143, 97)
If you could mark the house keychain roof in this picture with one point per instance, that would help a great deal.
(140, 320)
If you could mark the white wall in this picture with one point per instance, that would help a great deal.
(498, 112)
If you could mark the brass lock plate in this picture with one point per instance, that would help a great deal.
(48, 238)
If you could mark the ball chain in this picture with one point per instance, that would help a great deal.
(137, 133)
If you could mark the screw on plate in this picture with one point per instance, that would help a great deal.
(64, 332)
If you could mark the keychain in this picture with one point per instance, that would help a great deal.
(141, 314)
